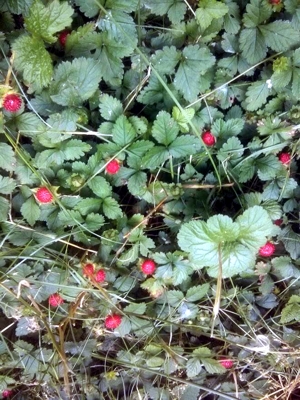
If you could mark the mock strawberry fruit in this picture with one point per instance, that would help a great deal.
(278, 222)
(88, 270)
(112, 321)
(12, 102)
(148, 267)
(267, 250)
(7, 393)
(208, 138)
(226, 363)
(63, 37)
(55, 300)
(100, 276)
(43, 195)
(112, 167)
(284, 158)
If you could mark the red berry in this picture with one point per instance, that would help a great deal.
(88, 269)
(112, 321)
(12, 102)
(226, 363)
(208, 138)
(274, 2)
(284, 158)
(148, 267)
(7, 393)
(43, 195)
(55, 300)
(100, 275)
(112, 167)
(63, 37)
(278, 222)
(267, 250)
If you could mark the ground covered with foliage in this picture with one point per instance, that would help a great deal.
(149, 199)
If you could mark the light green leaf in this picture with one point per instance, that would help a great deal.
(44, 22)
(111, 208)
(195, 62)
(164, 129)
(123, 132)
(221, 228)
(193, 367)
(255, 225)
(257, 95)
(196, 293)
(30, 211)
(291, 311)
(33, 60)
(7, 185)
(7, 157)
(100, 187)
(76, 81)
(183, 117)
(209, 10)
(110, 107)
(213, 366)
(139, 308)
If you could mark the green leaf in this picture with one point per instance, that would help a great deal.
(155, 157)
(165, 60)
(90, 205)
(123, 132)
(7, 185)
(119, 26)
(70, 217)
(291, 241)
(30, 211)
(280, 35)
(74, 149)
(283, 268)
(175, 9)
(19, 6)
(100, 187)
(257, 12)
(196, 293)
(111, 208)
(4, 208)
(257, 95)
(213, 366)
(268, 166)
(44, 22)
(33, 60)
(193, 367)
(195, 62)
(7, 157)
(139, 308)
(226, 129)
(88, 7)
(231, 150)
(255, 225)
(76, 81)
(184, 146)
(209, 10)
(183, 117)
(253, 46)
(164, 129)
(110, 107)
(153, 93)
(291, 311)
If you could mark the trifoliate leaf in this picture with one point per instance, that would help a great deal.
(111, 208)
(257, 12)
(33, 60)
(209, 10)
(123, 132)
(44, 22)
(7, 185)
(76, 81)
(110, 107)
(280, 35)
(195, 62)
(7, 157)
(155, 157)
(165, 60)
(30, 211)
(74, 149)
(93, 221)
(253, 46)
(100, 187)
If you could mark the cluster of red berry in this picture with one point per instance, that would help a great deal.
(97, 276)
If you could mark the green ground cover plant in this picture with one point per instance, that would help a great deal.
(149, 199)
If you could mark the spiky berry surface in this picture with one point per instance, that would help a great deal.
(148, 267)
(208, 138)
(12, 102)
(63, 37)
(267, 250)
(112, 321)
(112, 167)
(284, 158)
(43, 195)
(88, 269)
(226, 363)
(100, 275)
(278, 222)
(55, 300)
